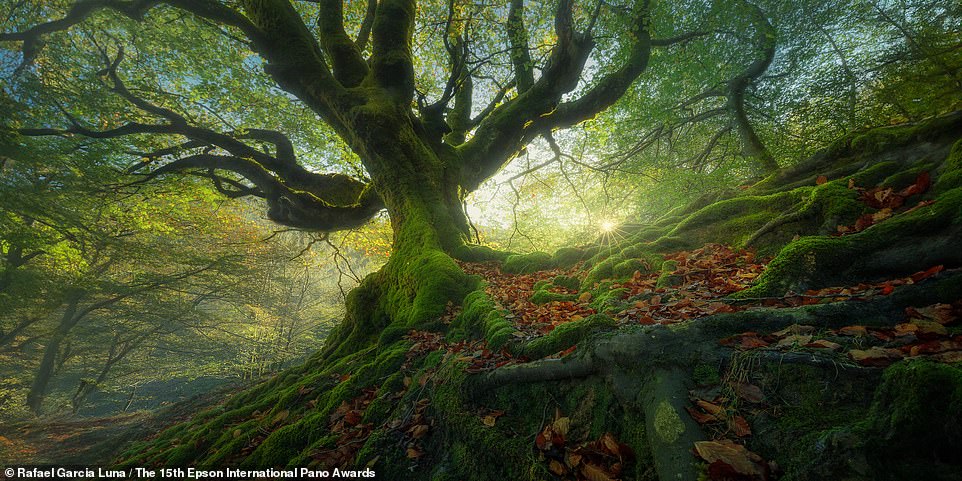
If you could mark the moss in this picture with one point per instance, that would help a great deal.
(628, 267)
(917, 413)
(668, 425)
(706, 374)
(526, 263)
(667, 277)
(950, 176)
(567, 282)
(894, 247)
(567, 335)
(471, 450)
(568, 256)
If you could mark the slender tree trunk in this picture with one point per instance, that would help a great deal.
(41, 380)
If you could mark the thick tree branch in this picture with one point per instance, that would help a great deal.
(391, 60)
(764, 40)
(349, 66)
(518, 38)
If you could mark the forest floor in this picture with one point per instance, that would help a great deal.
(91, 440)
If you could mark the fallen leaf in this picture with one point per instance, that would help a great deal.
(561, 426)
(489, 421)
(821, 180)
(732, 455)
(824, 344)
(794, 340)
(749, 392)
(414, 453)
(585, 297)
(853, 331)
(875, 356)
(948, 357)
(419, 431)
(794, 329)
(557, 468)
(594, 473)
(739, 426)
(572, 459)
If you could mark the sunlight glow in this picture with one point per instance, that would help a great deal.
(607, 226)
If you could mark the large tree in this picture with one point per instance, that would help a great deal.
(423, 144)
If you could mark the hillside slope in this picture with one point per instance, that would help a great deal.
(799, 328)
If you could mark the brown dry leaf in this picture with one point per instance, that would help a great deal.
(557, 468)
(853, 331)
(749, 392)
(611, 444)
(700, 417)
(414, 453)
(713, 409)
(419, 431)
(489, 421)
(948, 357)
(940, 313)
(794, 340)
(875, 356)
(821, 180)
(594, 473)
(740, 459)
(881, 215)
(824, 344)
(794, 329)
(585, 297)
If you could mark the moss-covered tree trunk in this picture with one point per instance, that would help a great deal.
(419, 182)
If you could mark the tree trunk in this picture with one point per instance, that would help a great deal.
(41, 381)
(419, 183)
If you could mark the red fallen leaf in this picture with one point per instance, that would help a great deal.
(918, 276)
(646, 321)
(875, 356)
(864, 222)
(922, 183)
(887, 289)
(352, 417)
(821, 180)
(542, 441)
(732, 458)
(700, 417)
(739, 426)
(567, 351)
